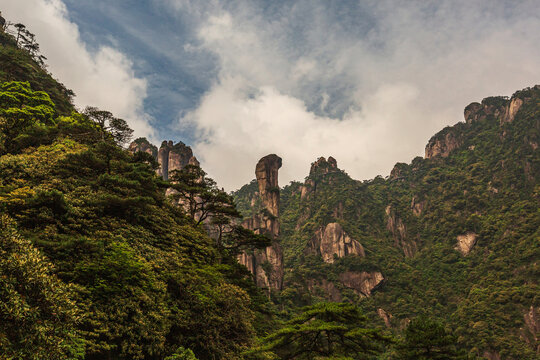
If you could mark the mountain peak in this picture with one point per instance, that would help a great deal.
(323, 166)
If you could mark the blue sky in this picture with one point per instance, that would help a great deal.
(154, 40)
(368, 82)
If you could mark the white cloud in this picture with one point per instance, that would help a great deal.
(304, 82)
(102, 78)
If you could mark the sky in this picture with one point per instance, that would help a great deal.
(367, 82)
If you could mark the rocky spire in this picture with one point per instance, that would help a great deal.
(170, 156)
(142, 144)
(323, 166)
(267, 264)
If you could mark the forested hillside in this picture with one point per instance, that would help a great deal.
(454, 236)
(95, 261)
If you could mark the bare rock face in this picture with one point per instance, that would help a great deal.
(385, 316)
(490, 107)
(170, 156)
(465, 242)
(266, 173)
(530, 332)
(307, 189)
(179, 156)
(163, 159)
(363, 283)
(443, 144)
(332, 240)
(173, 157)
(511, 110)
(266, 265)
(399, 231)
(142, 144)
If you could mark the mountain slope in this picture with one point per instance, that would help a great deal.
(454, 235)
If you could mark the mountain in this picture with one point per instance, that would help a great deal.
(114, 253)
(454, 235)
(96, 261)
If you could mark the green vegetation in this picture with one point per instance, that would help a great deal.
(487, 186)
(96, 262)
(144, 276)
(325, 331)
(426, 339)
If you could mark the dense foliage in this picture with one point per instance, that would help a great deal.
(408, 225)
(325, 331)
(146, 276)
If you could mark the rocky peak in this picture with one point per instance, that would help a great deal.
(266, 265)
(266, 173)
(142, 144)
(173, 157)
(491, 107)
(323, 166)
(443, 143)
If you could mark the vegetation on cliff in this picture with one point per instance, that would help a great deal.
(455, 236)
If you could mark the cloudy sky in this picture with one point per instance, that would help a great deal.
(368, 82)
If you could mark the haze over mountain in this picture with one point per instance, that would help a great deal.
(366, 82)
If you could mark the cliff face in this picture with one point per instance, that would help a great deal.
(173, 157)
(332, 240)
(142, 144)
(497, 108)
(399, 231)
(267, 264)
(170, 156)
(443, 143)
(465, 242)
(363, 283)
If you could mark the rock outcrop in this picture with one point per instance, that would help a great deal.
(266, 173)
(443, 143)
(174, 157)
(399, 231)
(323, 166)
(319, 168)
(331, 240)
(170, 156)
(142, 144)
(465, 242)
(511, 110)
(266, 265)
(385, 316)
(363, 283)
(491, 107)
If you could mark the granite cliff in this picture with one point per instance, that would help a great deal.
(170, 156)
(266, 265)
